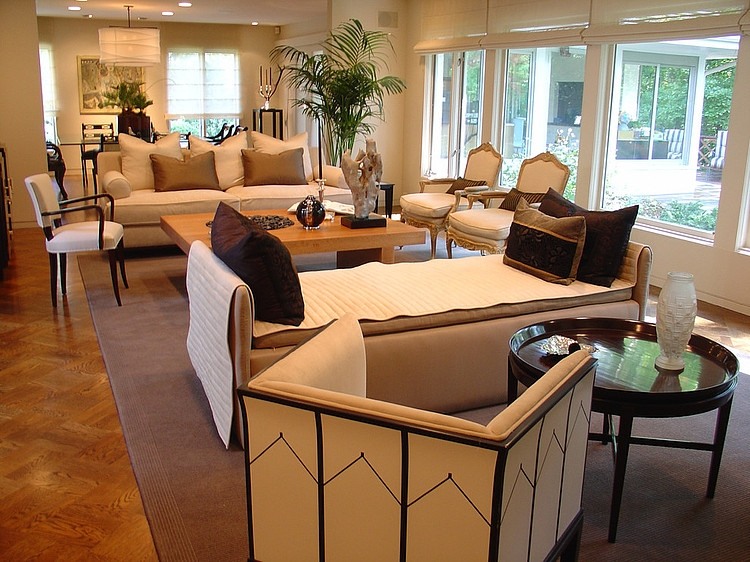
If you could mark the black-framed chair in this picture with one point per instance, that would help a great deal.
(75, 236)
(90, 133)
(56, 164)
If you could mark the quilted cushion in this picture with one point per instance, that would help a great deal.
(492, 224)
(607, 237)
(510, 202)
(285, 168)
(261, 261)
(136, 165)
(547, 247)
(175, 174)
(270, 145)
(228, 158)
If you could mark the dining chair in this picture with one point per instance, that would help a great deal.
(487, 229)
(437, 198)
(56, 164)
(93, 132)
(75, 236)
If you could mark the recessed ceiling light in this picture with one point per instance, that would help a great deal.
(74, 8)
(254, 23)
(184, 4)
(82, 0)
(167, 13)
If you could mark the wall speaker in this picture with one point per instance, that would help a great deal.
(387, 19)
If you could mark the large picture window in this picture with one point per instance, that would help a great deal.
(668, 131)
(454, 111)
(203, 91)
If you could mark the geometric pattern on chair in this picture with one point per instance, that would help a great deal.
(99, 132)
(675, 139)
(487, 229)
(720, 151)
(431, 206)
(342, 477)
(62, 239)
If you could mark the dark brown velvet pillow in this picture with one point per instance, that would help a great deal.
(607, 237)
(285, 168)
(462, 183)
(544, 246)
(174, 174)
(261, 261)
(510, 201)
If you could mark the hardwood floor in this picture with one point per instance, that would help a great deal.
(67, 490)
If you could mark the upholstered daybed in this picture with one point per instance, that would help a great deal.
(436, 332)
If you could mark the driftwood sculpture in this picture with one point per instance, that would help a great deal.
(363, 175)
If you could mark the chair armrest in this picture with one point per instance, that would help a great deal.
(437, 185)
(486, 197)
(107, 196)
(116, 184)
(66, 210)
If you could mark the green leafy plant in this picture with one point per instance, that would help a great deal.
(128, 96)
(341, 87)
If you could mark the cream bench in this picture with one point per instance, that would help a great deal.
(436, 332)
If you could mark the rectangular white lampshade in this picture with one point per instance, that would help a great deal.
(129, 46)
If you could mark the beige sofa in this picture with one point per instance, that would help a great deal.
(436, 332)
(127, 176)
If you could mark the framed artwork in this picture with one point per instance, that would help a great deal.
(95, 78)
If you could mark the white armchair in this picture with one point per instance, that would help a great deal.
(437, 198)
(332, 473)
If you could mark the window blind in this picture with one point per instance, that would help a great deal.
(202, 84)
(452, 25)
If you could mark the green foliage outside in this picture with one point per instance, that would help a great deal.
(717, 96)
(691, 214)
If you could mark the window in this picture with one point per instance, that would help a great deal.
(203, 91)
(49, 95)
(543, 100)
(454, 111)
(668, 130)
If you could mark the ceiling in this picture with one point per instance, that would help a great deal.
(265, 12)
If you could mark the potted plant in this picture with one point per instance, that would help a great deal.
(341, 86)
(133, 101)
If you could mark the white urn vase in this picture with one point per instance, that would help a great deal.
(675, 319)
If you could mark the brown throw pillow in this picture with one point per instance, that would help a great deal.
(261, 261)
(510, 202)
(607, 237)
(173, 174)
(544, 246)
(285, 168)
(462, 183)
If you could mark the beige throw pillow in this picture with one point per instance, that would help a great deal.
(136, 165)
(270, 145)
(174, 174)
(228, 157)
(285, 168)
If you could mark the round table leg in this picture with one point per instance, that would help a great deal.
(621, 462)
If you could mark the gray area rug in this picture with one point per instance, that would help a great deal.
(193, 489)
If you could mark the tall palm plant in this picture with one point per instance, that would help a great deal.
(340, 87)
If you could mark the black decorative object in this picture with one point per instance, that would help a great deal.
(310, 212)
(373, 221)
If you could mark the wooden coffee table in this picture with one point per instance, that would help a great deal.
(352, 246)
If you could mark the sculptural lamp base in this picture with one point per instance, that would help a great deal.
(373, 221)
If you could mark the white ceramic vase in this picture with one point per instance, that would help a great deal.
(675, 319)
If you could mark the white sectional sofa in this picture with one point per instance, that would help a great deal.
(129, 177)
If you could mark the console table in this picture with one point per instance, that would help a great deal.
(628, 385)
(5, 224)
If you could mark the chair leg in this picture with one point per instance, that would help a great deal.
(64, 273)
(433, 244)
(449, 246)
(53, 278)
(113, 274)
(85, 178)
(93, 177)
(121, 259)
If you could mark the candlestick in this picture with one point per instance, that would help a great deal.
(320, 151)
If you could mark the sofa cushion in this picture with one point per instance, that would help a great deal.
(261, 261)
(462, 183)
(175, 174)
(270, 145)
(227, 155)
(317, 362)
(136, 165)
(284, 168)
(607, 237)
(510, 201)
(549, 248)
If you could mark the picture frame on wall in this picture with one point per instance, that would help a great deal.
(95, 78)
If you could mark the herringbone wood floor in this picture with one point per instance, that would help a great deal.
(67, 490)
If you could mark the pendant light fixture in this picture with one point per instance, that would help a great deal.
(129, 46)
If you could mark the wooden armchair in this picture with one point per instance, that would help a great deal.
(332, 474)
(487, 229)
(437, 198)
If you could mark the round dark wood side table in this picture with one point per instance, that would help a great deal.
(628, 385)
